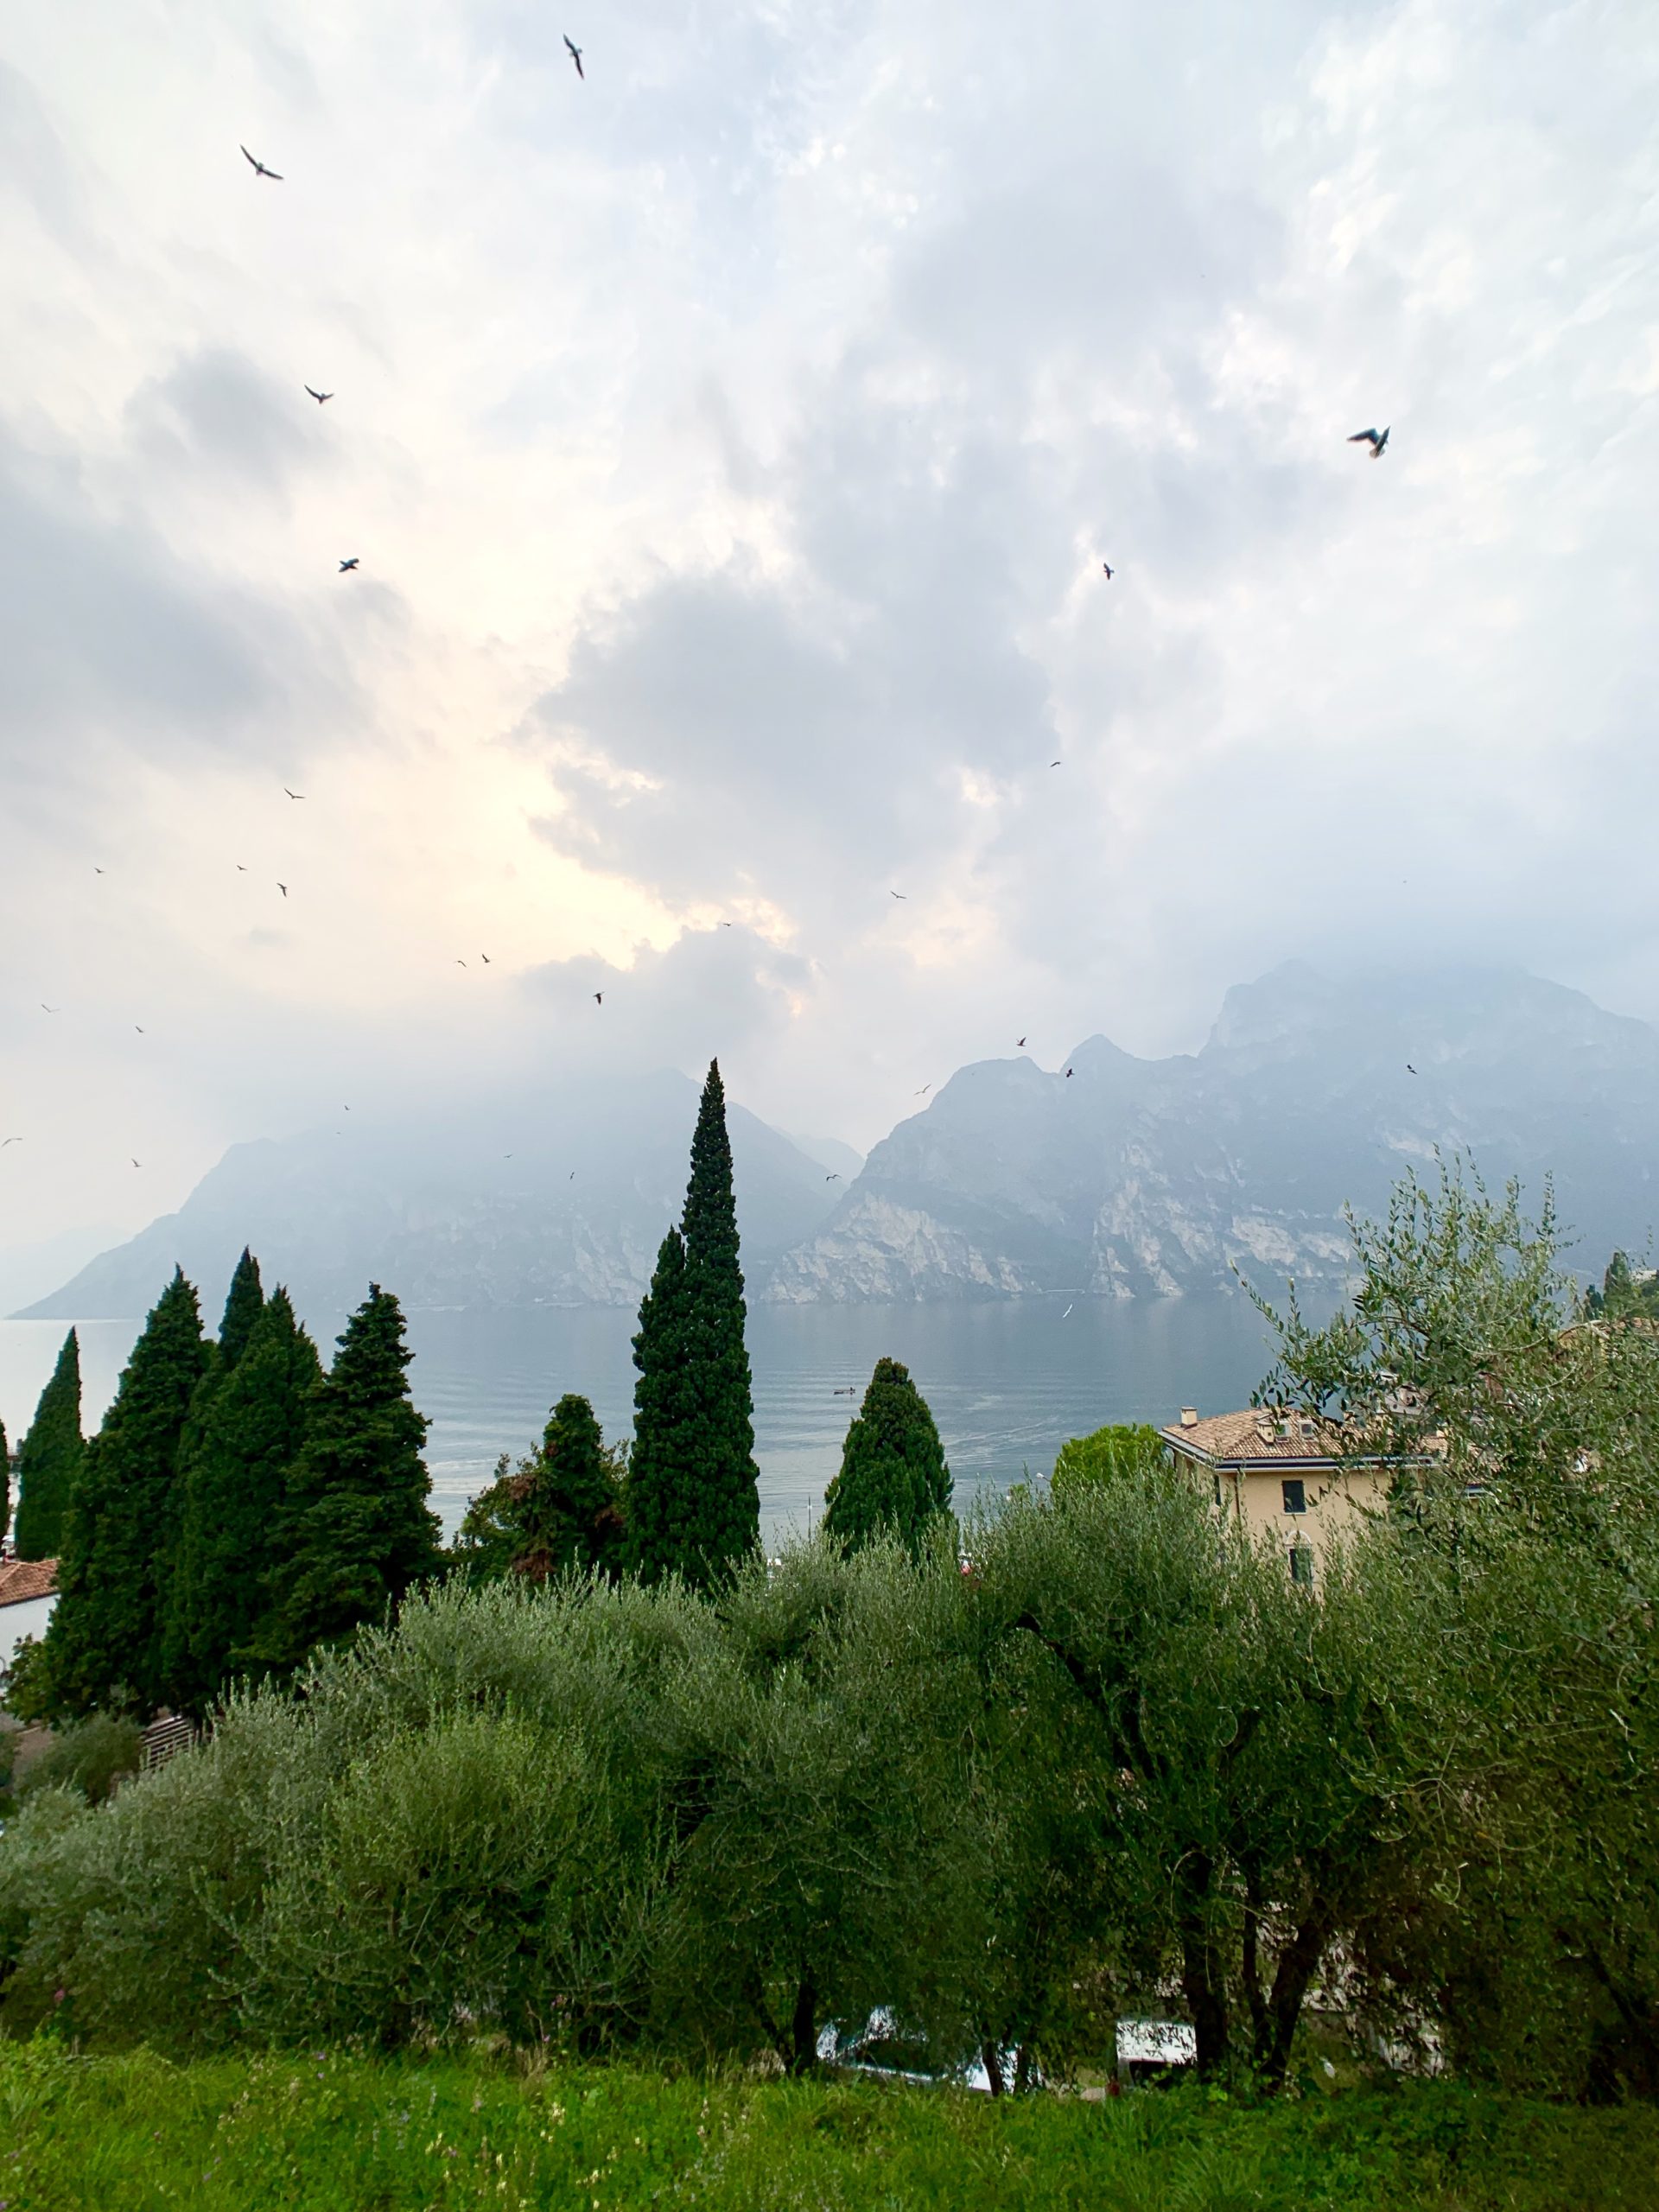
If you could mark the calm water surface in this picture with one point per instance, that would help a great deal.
(1007, 1384)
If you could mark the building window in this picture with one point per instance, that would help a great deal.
(1301, 1566)
(1295, 1495)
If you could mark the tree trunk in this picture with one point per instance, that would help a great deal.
(991, 2058)
(1298, 1963)
(1203, 1980)
(804, 2030)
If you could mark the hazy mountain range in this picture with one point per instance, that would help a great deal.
(1127, 1178)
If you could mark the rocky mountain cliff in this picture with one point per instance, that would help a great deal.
(1132, 1178)
(560, 1200)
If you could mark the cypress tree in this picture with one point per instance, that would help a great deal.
(49, 1461)
(722, 1517)
(5, 1484)
(102, 1646)
(567, 1514)
(243, 1305)
(659, 1471)
(355, 1531)
(893, 1475)
(252, 1430)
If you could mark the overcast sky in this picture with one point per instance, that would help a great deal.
(731, 442)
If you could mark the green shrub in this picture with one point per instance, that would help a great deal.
(90, 1755)
(1108, 1453)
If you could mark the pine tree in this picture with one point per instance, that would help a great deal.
(253, 1428)
(104, 1644)
(568, 1514)
(242, 1306)
(658, 1471)
(355, 1531)
(893, 1475)
(49, 1461)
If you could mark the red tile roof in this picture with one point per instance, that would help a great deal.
(21, 1578)
(1228, 1440)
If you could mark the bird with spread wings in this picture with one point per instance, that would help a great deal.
(1376, 439)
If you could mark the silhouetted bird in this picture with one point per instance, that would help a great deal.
(11, 1141)
(900, 894)
(136, 1163)
(599, 998)
(294, 794)
(240, 869)
(1018, 1043)
(282, 888)
(832, 1179)
(460, 963)
(274, 175)
(1053, 763)
(1376, 439)
(50, 1009)
(922, 1092)
(319, 395)
(1108, 567)
(1409, 1069)
(96, 869)
(485, 957)
(135, 1027)
(352, 563)
(574, 53)
(1068, 1074)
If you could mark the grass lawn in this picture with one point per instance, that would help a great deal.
(344, 2133)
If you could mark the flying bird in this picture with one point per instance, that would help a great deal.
(485, 957)
(1018, 1043)
(574, 53)
(1053, 763)
(96, 869)
(50, 1009)
(11, 1141)
(352, 563)
(899, 895)
(922, 1092)
(1108, 567)
(240, 869)
(282, 888)
(294, 794)
(140, 1031)
(1409, 1069)
(1067, 1310)
(260, 169)
(136, 1163)
(319, 395)
(832, 1179)
(1376, 439)
(1068, 1074)
(599, 998)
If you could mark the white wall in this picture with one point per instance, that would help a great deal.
(28, 1617)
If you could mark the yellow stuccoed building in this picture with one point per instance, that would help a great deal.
(1282, 1473)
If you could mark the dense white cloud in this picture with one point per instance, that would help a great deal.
(731, 443)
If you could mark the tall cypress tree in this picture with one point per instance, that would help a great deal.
(355, 1530)
(5, 1484)
(104, 1644)
(725, 1521)
(567, 1514)
(694, 1500)
(252, 1429)
(243, 1305)
(893, 1475)
(49, 1461)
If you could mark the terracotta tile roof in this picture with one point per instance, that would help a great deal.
(1226, 1438)
(21, 1579)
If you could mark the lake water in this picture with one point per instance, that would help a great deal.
(1007, 1384)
